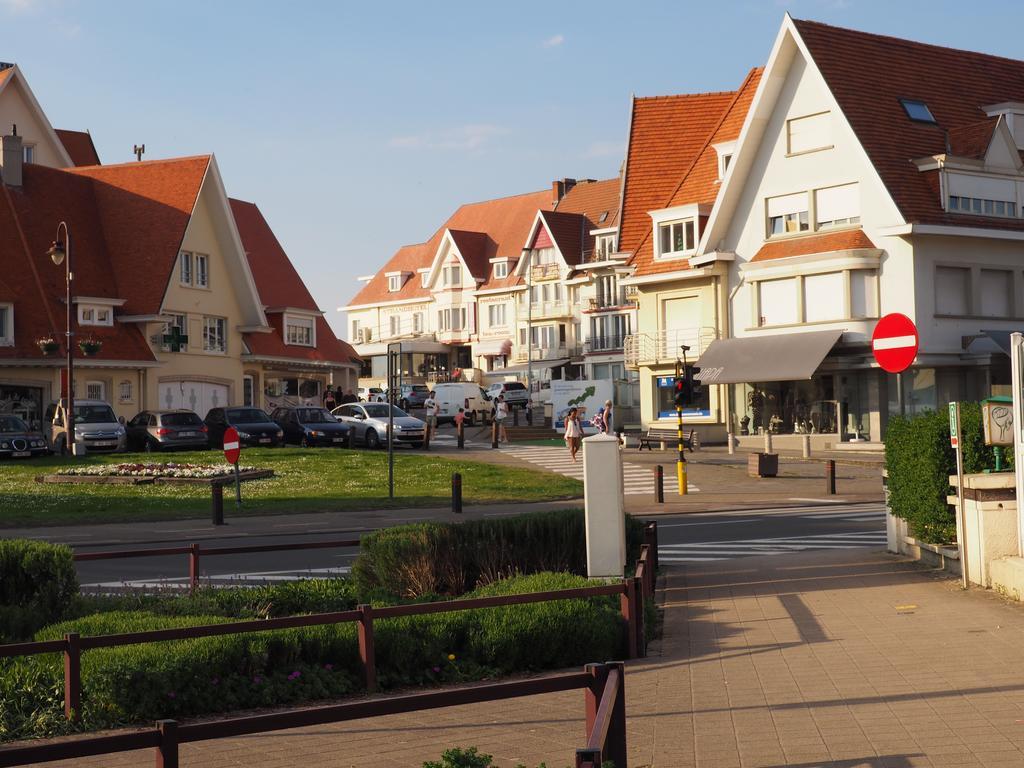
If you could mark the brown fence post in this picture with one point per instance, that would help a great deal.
(494, 433)
(193, 568)
(592, 693)
(366, 651)
(659, 484)
(830, 477)
(167, 751)
(627, 605)
(615, 744)
(638, 604)
(588, 758)
(72, 677)
(427, 434)
(457, 493)
(217, 491)
(460, 430)
(651, 540)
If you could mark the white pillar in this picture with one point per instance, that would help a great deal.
(605, 510)
(767, 442)
(805, 444)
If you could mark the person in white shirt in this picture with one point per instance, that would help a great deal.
(432, 409)
(500, 416)
(573, 433)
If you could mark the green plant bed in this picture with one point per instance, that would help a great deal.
(186, 678)
(306, 480)
(37, 586)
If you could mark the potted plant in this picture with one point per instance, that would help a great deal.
(47, 345)
(90, 346)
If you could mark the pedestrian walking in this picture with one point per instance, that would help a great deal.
(348, 397)
(459, 417)
(431, 410)
(598, 421)
(329, 401)
(573, 433)
(501, 416)
(608, 421)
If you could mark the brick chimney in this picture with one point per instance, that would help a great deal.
(560, 189)
(12, 157)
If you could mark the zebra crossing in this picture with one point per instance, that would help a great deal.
(636, 479)
(710, 551)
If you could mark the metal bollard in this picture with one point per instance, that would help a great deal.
(731, 439)
(457, 493)
(805, 445)
(426, 436)
(659, 484)
(350, 438)
(460, 430)
(217, 489)
(830, 477)
(767, 442)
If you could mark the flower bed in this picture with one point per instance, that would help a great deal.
(164, 469)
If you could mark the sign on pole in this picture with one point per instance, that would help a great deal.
(1017, 380)
(954, 426)
(894, 342)
(232, 452)
(961, 512)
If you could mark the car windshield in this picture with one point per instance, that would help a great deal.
(94, 414)
(514, 385)
(380, 411)
(420, 388)
(180, 420)
(247, 416)
(12, 424)
(314, 416)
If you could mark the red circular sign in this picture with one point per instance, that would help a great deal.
(232, 448)
(894, 342)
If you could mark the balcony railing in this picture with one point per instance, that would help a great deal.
(543, 309)
(609, 301)
(520, 353)
(663, 346)
(605, 343)
(544, 272)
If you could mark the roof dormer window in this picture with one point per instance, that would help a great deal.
(394, 283)
(500, 269)
(677, 237)
(917, 111)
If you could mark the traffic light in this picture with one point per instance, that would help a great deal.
(681, 391)
(696, 389)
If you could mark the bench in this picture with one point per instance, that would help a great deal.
(664, 435)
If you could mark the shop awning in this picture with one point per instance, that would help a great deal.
(537, 366)
(1001, 339)
(408, 345)
(781, 357)
(492, 347)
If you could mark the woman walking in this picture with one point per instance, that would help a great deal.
(573, 433)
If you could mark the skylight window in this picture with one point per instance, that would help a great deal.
(604, 217)
(917, 111)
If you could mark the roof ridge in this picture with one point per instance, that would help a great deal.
(906, 41)
(697, 95)
(141, 163)
(496, 199)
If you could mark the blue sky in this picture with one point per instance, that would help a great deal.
(359, 127)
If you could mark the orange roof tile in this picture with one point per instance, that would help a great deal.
(843, 240)
(954, 84)
(972, 140)
(597, 205)
(666, 135)
(79, 146)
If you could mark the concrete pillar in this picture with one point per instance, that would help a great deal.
(605, 507)
(767, 442)
(805, 445)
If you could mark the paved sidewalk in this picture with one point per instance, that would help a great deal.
(844, 659)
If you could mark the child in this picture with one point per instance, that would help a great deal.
(459, 418)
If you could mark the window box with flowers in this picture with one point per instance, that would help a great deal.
(48, 345)
(90, 347)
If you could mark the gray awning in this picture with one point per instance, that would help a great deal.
(1001, 339)
(782, 357)
(537, 365)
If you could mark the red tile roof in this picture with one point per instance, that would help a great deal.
(972, 140)
(570, 233)
(666, 134)
(868, 75)
(279, 286)
(505, 223)
(698, 182)
(843, 240)
(476, 248)
(144, 209)
(79, 146)
(590, 201)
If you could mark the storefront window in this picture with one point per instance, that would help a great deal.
(785, 407)
(664, 400)
(24, 402)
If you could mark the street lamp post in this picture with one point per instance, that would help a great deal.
(60, 253)
(528, 255)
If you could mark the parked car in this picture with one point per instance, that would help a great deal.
(413, 396)
(309, 426)
(515, 392)
(370, 421)
(165, 430)
(372, 395)
(254, 427)
(17, 441)
(470, 397)
(96, 427)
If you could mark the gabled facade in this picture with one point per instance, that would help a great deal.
(161, 279)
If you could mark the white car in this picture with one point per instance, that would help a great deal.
(372, 395)
(466, 395)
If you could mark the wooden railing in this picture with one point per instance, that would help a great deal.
(604, 697)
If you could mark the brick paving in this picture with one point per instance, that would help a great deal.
(844, 658)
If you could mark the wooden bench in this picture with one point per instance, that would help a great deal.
(665, 435)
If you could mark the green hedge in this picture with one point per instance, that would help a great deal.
(919, 461)
(37, 586)
(424, 559)
(141, 683)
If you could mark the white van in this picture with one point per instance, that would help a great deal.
(453, 395)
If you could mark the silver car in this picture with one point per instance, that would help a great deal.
(370, 422)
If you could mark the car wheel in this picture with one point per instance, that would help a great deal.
(416, 445)
(304, 443)
(148, 447)
(372, 440)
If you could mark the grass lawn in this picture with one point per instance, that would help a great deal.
(307, 480)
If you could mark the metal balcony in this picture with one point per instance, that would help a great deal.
(663, 346)
(609, 343)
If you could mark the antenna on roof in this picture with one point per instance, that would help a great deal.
(139, 151)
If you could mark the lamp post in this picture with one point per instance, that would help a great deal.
(60, 253)
(528, 255)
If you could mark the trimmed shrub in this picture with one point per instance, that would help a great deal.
(410, 561)
(37, 585)
(920, 461)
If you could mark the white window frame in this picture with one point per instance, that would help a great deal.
(302, 323)
(201, 273)
(90, 314)
(497, 315)
(7, 327)
(417, 322)
(806, 150)
(96, 383)
(806, 211)
(394, 283)
(186, 268)
(29, 153)
(424, 279)
(394, 325)
(500, 269)
(688, 247)
(220, 324)
(125, 391)
(849, 221)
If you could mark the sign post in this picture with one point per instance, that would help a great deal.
(894, 344)
(394, 392)
(233, 452)
(961, 513)
(1017, 385)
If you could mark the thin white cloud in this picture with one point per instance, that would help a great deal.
(18, 6)
(554, 41)
(469, 137)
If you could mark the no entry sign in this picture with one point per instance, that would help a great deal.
(894, 342)
(231, 446)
